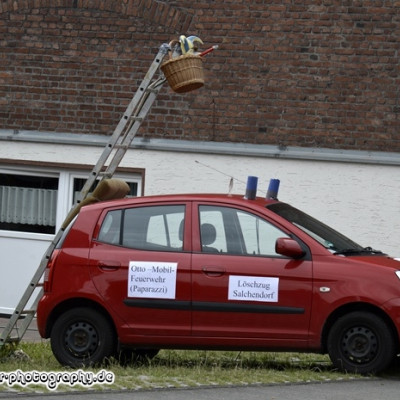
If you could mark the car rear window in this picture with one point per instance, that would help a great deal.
(147, 228)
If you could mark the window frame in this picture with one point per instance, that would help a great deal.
(66, 173)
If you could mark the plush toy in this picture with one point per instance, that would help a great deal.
(189, 44)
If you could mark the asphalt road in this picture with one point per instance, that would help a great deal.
(365, 389)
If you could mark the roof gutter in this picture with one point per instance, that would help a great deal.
(208, 147)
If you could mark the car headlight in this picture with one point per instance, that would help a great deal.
(398, 274)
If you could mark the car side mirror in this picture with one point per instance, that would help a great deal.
(288, 247)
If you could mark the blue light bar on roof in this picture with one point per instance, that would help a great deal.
(251, 188)
(273, 189)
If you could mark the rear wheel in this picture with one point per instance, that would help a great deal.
(361, 342)
(82, 337)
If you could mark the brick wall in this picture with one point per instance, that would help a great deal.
(316, 73)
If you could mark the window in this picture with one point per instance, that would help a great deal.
(28, 203)
(35, 200)
(110, 231)
(328, 237)
(212, 230)
(78, 184)
(233, 231)
(259, 235)
(147, 228)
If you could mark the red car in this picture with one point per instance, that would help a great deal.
(132, 276)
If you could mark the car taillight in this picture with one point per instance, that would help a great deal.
(48, 271)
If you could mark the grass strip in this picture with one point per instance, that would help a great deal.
(181, 369)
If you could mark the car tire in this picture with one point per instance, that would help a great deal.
(82, 337)
(361, 342)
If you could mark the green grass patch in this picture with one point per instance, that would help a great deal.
(179, 369)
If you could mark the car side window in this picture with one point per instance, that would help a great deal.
(212, 230)
(146, 228)
(110, 231)
(259, 235)
(233, 231)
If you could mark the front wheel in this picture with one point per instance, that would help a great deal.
(82, 337)
(361, 342)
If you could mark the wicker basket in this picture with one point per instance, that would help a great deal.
(184, 73)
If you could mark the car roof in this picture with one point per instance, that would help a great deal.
(204, 197)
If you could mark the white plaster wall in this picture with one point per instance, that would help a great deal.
(360, 200)
(19, 260)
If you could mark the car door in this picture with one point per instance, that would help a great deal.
(141, 269)
(241, 287)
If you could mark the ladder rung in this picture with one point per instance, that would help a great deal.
(121, 146)
(133, 118)
(104, 174)
(37, 284)
(28, 311)
(153, 90)
(18, 315)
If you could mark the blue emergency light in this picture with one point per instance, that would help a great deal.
(251, 188)
(273, 188)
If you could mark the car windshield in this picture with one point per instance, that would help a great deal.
(328, 237)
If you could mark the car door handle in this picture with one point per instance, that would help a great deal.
(213, 271)
(109, 265)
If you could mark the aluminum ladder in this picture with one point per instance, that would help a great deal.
(119, 141)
